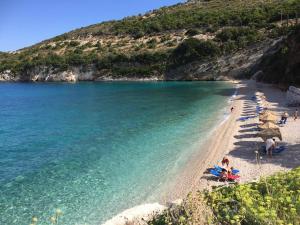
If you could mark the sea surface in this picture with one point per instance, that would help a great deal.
(96, 149)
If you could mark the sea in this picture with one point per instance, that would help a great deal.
(95, 149)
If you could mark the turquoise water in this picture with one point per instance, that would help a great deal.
(96, 149)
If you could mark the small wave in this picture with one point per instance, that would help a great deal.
(141, 213)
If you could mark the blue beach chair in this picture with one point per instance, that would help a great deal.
(219, 169)
(215, 173)
(277, 150)
(243, 118)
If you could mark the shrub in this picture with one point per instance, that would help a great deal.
(192, 32)
(73, 43)
(273, 200)
(193, 49)
(152, 43)
(237, 37)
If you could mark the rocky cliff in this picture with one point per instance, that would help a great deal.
(281, 63)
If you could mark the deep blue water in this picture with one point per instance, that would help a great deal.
(95, 149)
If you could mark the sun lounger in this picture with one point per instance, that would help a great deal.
(219, 169)
(244, 118)
(215, 173)
(233, 177)
(277, 150)
(229, 177)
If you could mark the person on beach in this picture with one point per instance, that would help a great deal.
(224, 161)
(229, 170)
(223, 175)
(296, 114)
(284, 117)
(270, 146)
(232, 108)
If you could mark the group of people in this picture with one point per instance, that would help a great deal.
(226, 173)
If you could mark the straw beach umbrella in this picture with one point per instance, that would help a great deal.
(270, 133)
(267, 125)
(268, 116)
(267, 112)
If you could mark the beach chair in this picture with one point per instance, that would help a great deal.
(277, 150)
(219, 169)
(215, 173)
(232, 177)
(243, 118)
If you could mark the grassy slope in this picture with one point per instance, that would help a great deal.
(145, 44)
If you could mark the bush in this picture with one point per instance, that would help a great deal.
(237, 37)
(273, 200)
(73, 43)
(193, 49)
(192, 32)
(152, 43)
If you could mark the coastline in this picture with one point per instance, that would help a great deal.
(190, 178)
(184, 182)
(236, 140)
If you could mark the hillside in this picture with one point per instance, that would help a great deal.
(159, 44)
(281, 64)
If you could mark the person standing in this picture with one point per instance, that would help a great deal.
(296, 114)
(270, 146)
(225, 161)
(284, 117)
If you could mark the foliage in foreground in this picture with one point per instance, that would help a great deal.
(273, 200)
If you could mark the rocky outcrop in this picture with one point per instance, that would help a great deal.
(73, 74)
(7, 75)
(235, 65)
(293, 96)
(281, 63)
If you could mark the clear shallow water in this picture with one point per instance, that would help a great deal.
(96, 149)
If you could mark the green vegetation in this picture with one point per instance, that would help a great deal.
(282, 67)
(193, 49)
(273, 200)
(235, 25)
(202, 15)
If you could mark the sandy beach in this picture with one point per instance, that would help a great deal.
(237, 140)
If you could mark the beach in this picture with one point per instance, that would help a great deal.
(238, 142)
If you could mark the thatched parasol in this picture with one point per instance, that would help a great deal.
(270, 133)
(267, 116)
(267, 125)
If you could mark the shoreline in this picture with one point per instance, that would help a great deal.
(190, 178)
(176, 191)
(237, 141)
